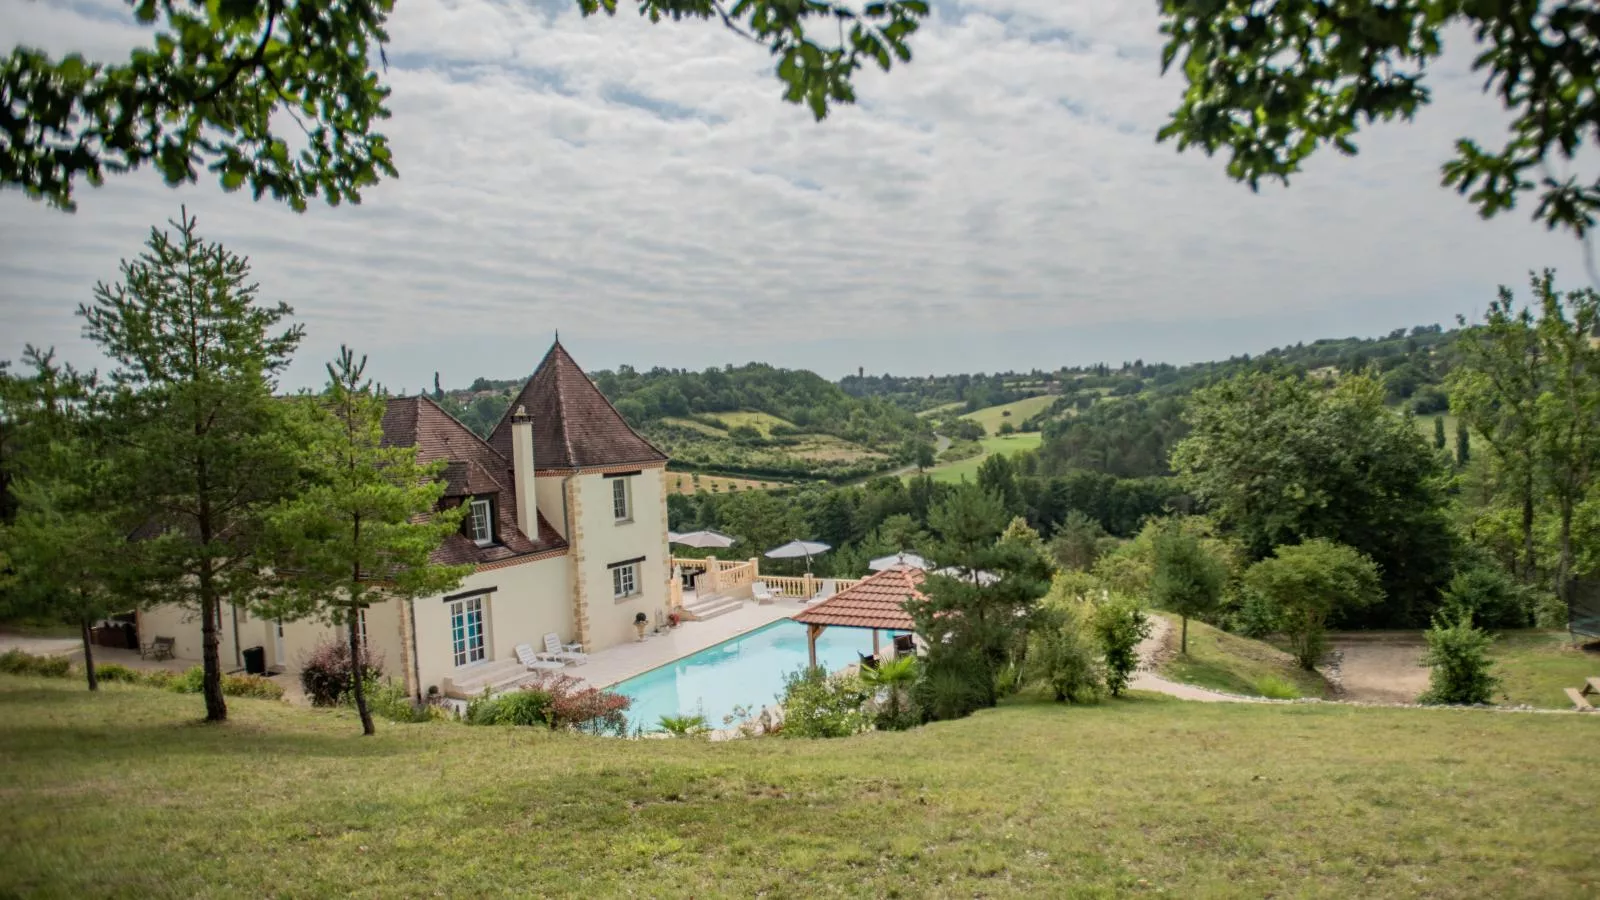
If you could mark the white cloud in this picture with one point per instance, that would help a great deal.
(644, 189)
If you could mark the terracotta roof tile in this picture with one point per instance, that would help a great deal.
(877, 602)
(574, 425)
(474, 469)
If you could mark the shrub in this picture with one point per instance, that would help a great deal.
(1120, 625)
(17, 662)
(1276, 688)
(557, 701)
(1062, 651)
(159, 678)
(110, 672)
(1489, 596)
(819, 705)
(387, 699)
(325, 671)
(1458, 653)
(190, 681)
(952, 684)
(256, 686)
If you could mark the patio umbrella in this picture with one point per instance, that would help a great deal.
(903, 558)
(702, 539)
(797, 549)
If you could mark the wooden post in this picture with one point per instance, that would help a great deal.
(811, 641)
(874, 642)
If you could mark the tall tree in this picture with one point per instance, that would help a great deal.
(1187, 579)
(69, 540)
(197, 436)
(1279, 459)
(1439, 440)
(1463, 444)
(1496, 393)
(218, 84)
(1272, 83)
(1568, 413)
(367, 524)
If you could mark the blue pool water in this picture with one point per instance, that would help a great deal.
(745, 671)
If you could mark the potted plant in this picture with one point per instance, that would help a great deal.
(640, 623)
(673, 619)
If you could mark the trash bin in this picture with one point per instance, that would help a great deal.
(255, 660)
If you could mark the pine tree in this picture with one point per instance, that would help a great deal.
(68, 544)
(365, 527)
(195, 433)
(1439, 441)
(1463, 444)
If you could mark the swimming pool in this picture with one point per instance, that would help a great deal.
(745, 671)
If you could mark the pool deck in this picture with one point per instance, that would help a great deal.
(619, 663)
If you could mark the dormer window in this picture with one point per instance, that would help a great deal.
(480, 525)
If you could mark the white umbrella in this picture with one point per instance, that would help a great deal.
(983, 578)
(903, 558)
(797, 549)
(702, 539)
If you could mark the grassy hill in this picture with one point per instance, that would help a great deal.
(123, 795)
(968, 468)
(1237, 665)
(991, 418)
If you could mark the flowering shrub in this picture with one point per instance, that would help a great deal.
(325, 671)
(556, 700)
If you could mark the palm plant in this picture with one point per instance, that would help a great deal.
(683, 726)
(895, 676)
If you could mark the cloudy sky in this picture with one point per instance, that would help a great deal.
(1000, 203)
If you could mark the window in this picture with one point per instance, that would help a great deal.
(619, 500)
(466, 630)
(482, 530)
(625, 581)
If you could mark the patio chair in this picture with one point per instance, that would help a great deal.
(905, 645)
(553, 649)
(532, 661)
(761, 593)
(160, 648)
(868, 661)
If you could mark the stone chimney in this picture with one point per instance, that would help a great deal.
(522, 472)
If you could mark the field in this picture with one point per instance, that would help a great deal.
(990, 417)
(685, 483)
(1237, 665)
(1535, 667)
(948, 407)
(1425, 428)
(760, 421)
(123, 795)
(968, 468)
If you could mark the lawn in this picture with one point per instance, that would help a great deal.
(124, 795)
(760, 421)
(968, 468)
(1235, 664)
(1535, 666)
(990, 417)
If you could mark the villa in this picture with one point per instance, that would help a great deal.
(567, 534)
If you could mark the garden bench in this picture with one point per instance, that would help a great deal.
(160, 648)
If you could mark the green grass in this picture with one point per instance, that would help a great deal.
(124, 795)
(990, 417)
(1535, 666)
(760, 421)
(1424, 425)
(947, 407)
(1238, 665)
(968, 468)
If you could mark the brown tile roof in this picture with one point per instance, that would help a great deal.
(473, 469)
(877, 602)
(574, 425)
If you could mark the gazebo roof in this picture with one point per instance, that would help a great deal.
(878, 602)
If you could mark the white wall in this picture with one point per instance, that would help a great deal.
(529, 601)
(606, 541)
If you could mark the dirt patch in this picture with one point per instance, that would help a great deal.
(1381, 666)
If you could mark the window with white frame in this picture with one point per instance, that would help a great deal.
(482, 529)
(621, 508)
(467, 630)
(624, 580)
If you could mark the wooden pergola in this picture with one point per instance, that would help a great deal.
(876, 602)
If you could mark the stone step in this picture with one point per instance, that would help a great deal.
(710, 608)
(502, 675)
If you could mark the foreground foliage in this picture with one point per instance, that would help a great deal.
(1289, 801)
(1458, 654)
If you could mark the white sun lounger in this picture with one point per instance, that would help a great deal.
(532, 661)
(761, 593)
(553, 650)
